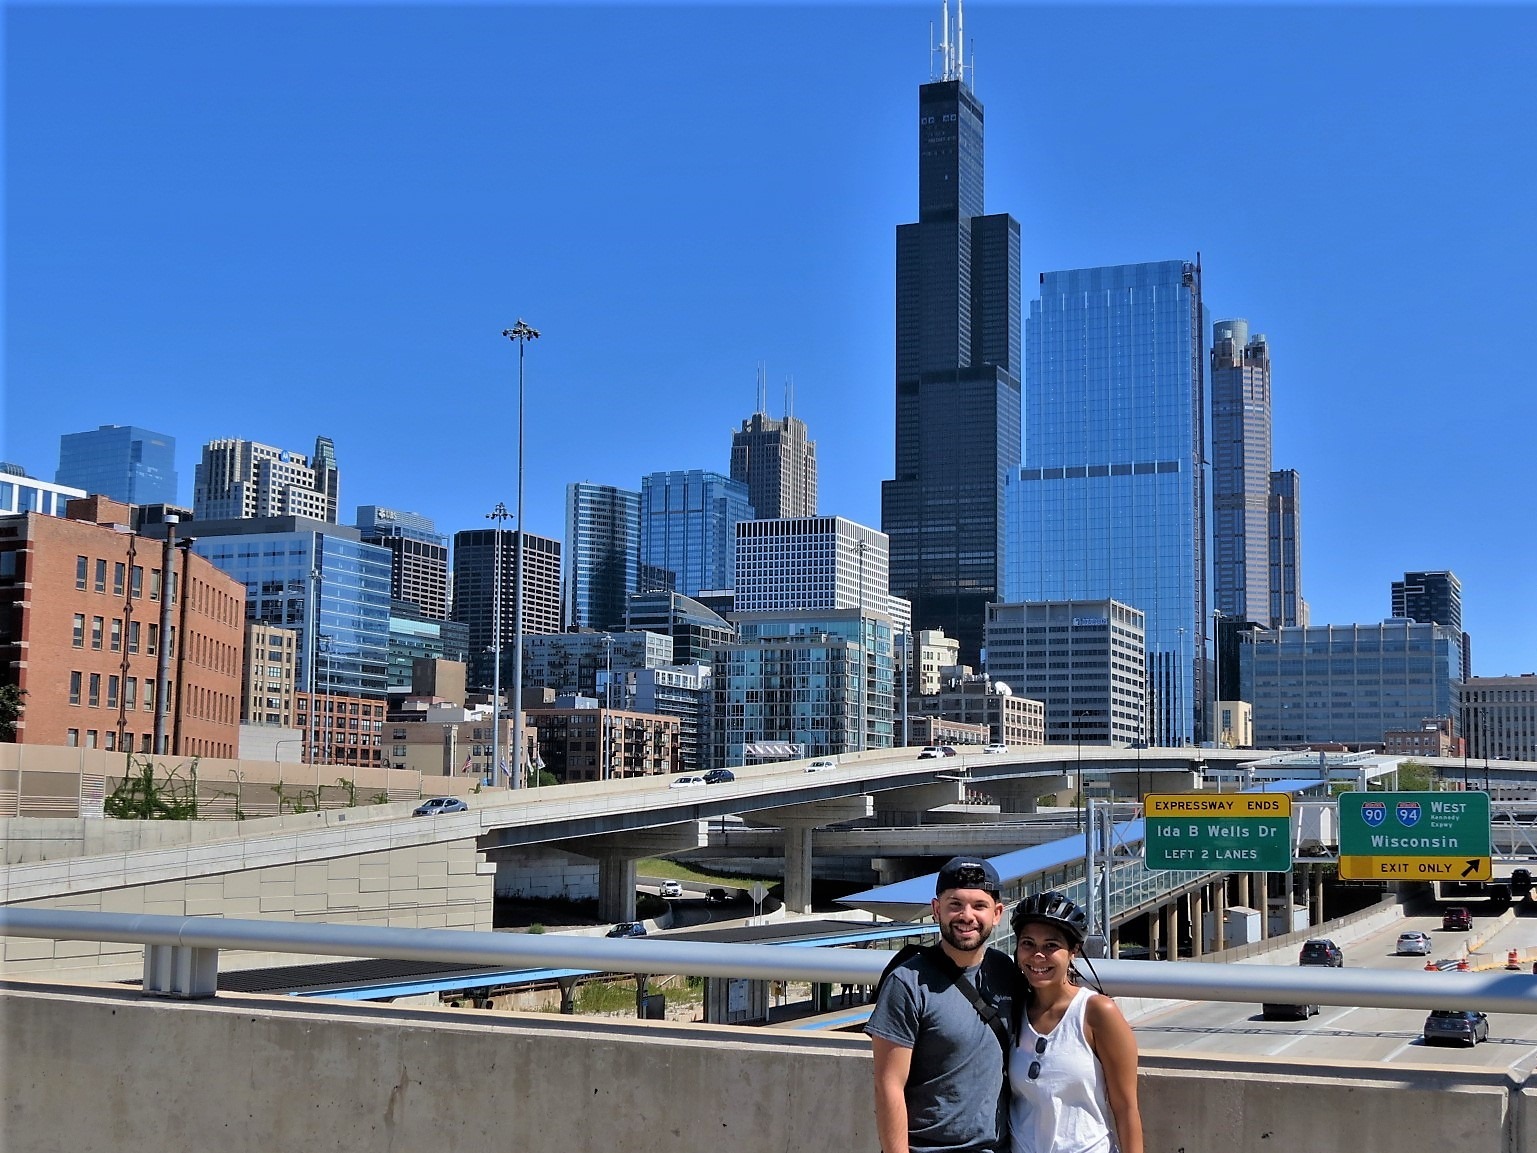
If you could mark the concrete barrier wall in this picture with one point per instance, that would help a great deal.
(103, 1069)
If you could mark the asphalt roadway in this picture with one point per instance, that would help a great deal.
(1341, 1033)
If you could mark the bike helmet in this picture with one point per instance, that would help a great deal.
(1051, 908)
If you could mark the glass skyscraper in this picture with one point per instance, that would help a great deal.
(602, 554)
(1110, 502)
(1240, 472)
(418, 556)
(957, 375)
(688, 527)
(133, 465)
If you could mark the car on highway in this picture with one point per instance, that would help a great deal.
(932, 751)
(1414, 944)
(1464, 1026)
(717, 897)
(436, 805)
(687, 781)
(1456, 917)
(1279, 1012)
(628, 929)
(1321, 951)
(671, 889)
(821, 765)
(719, 777)
(996, 748)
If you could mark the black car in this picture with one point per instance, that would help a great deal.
(717, 897)
(1288, 1012)
(628, 929)
(719, 776)
(1465, 1026)
(1321, 952)
(1457, 917)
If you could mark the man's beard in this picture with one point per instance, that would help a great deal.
(950, 935)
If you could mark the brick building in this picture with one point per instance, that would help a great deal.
(80, 613)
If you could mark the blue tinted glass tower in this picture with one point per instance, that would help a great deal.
(602, 554)
(957, 374)
(688, 527)
(1110, 500)
(133, 465)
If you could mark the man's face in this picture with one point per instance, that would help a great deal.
(967, 917)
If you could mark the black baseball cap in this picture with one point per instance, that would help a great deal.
(967, 873)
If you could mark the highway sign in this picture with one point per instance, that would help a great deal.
(1414, 836)
(1242, 832)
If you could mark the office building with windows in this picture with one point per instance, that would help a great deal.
(1240, 472)
(1498, 717)
(602, 554)
(688, 527)
(1086, 661)
(812, 562)
(271, 682)
(1429, 596)
(485, 567)
(129, 464)
(418, 556)
(1110, 502)
(695, 629)
(580, 663)
(20, 493)
(1287, 606)
(957, 373)
(242, 480)
(777, 462)
(1347, 684)
(415, 636)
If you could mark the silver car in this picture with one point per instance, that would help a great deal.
(1414, 944)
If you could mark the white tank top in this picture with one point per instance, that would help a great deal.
(1065, 1109)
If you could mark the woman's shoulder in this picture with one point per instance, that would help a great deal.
(1099, 1006)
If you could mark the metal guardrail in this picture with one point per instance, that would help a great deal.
(181, 960)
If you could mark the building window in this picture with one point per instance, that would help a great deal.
(136, 582)
(97, 624)
(119, 570)
(90, 738)
(82, 565)
(117, 634)
(72, 738)
(93, 693)
(133, 636)
(112, 684)
(111, 741)
(149, 695)
(154, 584)
(74, 688)
(101, 576)
(131, 693)
(154, 639)
(79, 631)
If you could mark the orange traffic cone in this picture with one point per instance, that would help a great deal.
(1512, 961)
(1462, 965)
(1431, 966)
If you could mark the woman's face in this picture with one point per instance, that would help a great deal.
(1043, 952)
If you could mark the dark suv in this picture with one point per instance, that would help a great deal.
(719, 776)
(1321, 952)
(1457, 917)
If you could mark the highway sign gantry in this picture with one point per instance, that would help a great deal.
(1414, 836)
(1244, 832)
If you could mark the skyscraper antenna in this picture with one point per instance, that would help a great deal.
(762, 388)
(789, 397)
(952, 43)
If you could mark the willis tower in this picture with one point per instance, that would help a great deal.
(957, 371)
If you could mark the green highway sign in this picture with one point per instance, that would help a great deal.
(1241, 832)
(1414, 836)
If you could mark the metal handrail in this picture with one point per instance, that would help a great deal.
(1503, 992)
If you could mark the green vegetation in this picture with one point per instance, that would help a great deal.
(679, 871)
(140, 796)
(618, 997)
(10, 710)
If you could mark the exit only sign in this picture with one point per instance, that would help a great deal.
(1244, 832)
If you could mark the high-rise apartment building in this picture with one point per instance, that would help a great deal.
(1240, 472)
(957, 373)
(133, 465)
(777, 463)
(584, 664)
(1110, 503)
(694, 629)
(242, 480)
(1085, 660)
(602, 554)
(1287, 606)
(418, 556)
(810, 562)
(688, 527)
(484, 576)
(1429, 596)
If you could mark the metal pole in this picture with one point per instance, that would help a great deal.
(314, 631)
(498, 516)
(1089, 887)
(163, 653)
(907, 657)
(863, 641)
(521, 333)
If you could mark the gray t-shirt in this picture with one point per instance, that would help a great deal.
(954, 1091)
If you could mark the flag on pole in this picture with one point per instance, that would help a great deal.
(466, 767)
(506, 772)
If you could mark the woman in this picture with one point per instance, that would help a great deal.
(1073, 1075)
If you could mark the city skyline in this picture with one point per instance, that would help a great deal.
(283, 223)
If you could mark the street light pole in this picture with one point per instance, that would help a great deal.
(864, 547)
(521, 333)
(499, 516)
(314, 631)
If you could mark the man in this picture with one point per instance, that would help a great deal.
(939, 1062)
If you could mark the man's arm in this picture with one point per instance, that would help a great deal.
(892, 1064)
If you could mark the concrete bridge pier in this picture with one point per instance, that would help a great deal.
(904, 808)
(798, 821)
(616, 854)
(1022, 794)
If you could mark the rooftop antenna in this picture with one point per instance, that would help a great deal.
(762, 388)
(789, 397)
(960, 35)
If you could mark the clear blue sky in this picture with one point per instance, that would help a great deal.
(273, 222)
